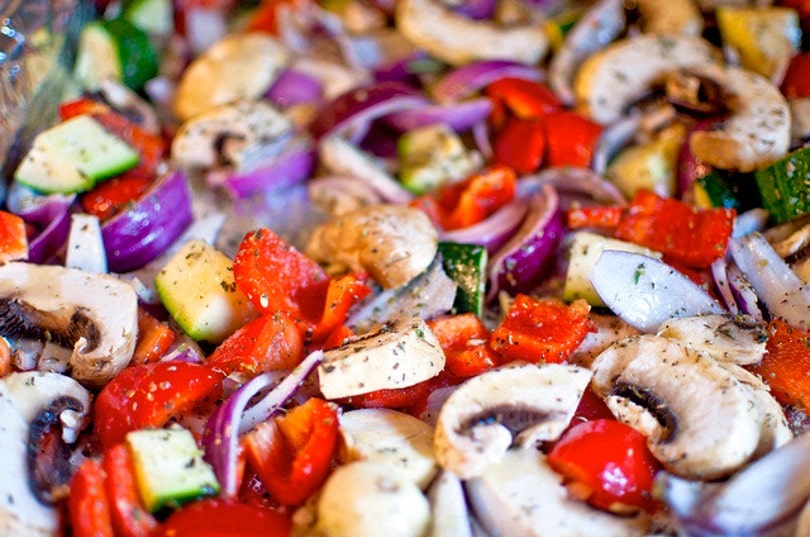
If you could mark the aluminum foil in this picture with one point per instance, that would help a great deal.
(37, 44)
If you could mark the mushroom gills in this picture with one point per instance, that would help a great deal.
(710, 424)
(64, 326)
(48, 456)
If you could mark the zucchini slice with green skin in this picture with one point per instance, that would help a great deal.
(727, 190)
(466, 264)
(785, 186)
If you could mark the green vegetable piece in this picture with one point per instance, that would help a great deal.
(727, 190)
(169, 468)
(785, 186)
(466, 264)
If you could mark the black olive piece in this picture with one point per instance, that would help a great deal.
(47, 455)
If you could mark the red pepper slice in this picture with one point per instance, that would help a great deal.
(523, 98)
(88, 505)
(13, 237)
(464, 341)
(570, 139)
(343, 293)
(148, 395)
(224, 518)
(271, 342)
(154, 338)
(109, 197)
(520, 144)
(405, 399)
(797, 78)
(607, 463)
(684, 234)
(541, 330)
(129, 517)
(277, 277)
(292, 453)
(476, 198)
(596, 216)
(784, 367)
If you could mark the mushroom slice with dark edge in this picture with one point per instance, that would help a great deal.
(522, 404)
(24, 399)
(521, 496)
(700, 421)
(93, 315)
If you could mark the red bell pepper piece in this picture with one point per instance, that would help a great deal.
(129, 517)
(684, 234)
(784, 367)
(570, 139)
(224, 518)
(271, 342)
(464, 341)
(292, 453)
(148, 395)
(477, 197)
(797, 78)
(88, 505)
(339, 337)
(343, 293)
(520, 97)
(541, 330)
(520, 144)
(13, 237)
(596, 216)
(80, 107)
(110, 196)
(277, 277)
(154, 338)
(404, 399)
(607, 463)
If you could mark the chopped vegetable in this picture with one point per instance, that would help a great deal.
(784, 186)
(785, 364)
(466, 265)
(88, 505)
(520, 144)
(154, 338)
(219, 517)
(464, 340)
(129, 516)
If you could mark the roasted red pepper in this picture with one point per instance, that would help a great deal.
(521, 98)
(607, 464)
(786, 364)
(129, 517)
(278, 278)
(398, 398)
(343, 293)
(88, 505)
(292, 453)
(596, 216)
(224, 518)
(110, 196)
(684, 234)
(148, 395)
(541, 330)
(13, 237)
(271, 342)
(570, 139)
(797, 78)
(464, 340)
(520, 144)
(155, 338)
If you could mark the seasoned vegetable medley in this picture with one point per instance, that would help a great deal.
(448, 268)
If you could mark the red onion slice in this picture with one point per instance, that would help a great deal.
(645, 292)
(460, 116)
(480, 132)
(744, 295)
(466, 80)
(50, 213)
(356, 109)
(476, 9)
(783, 292)
(295, 87)
(567, 179)
(518, 265)
(221, 436)
(720, 279)
(294, 165)
(44, 247)
(144, 230)
(495, 231)
(762, 499)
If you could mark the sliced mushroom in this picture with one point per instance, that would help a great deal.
(230, 135)
(724, 338)
(758, 131)
(23, 396)
(399, 440)
(449, 507)
(800, 120)
(706, 423)
(521, 496)
(394, 244)
(401, 353)
(93, 315)
(458, 40)
(775, 430)
(597, 28)
(129, 104)
(670, 17)
(609, 329)
(238, 66)
(523, 404)
(609, 81)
